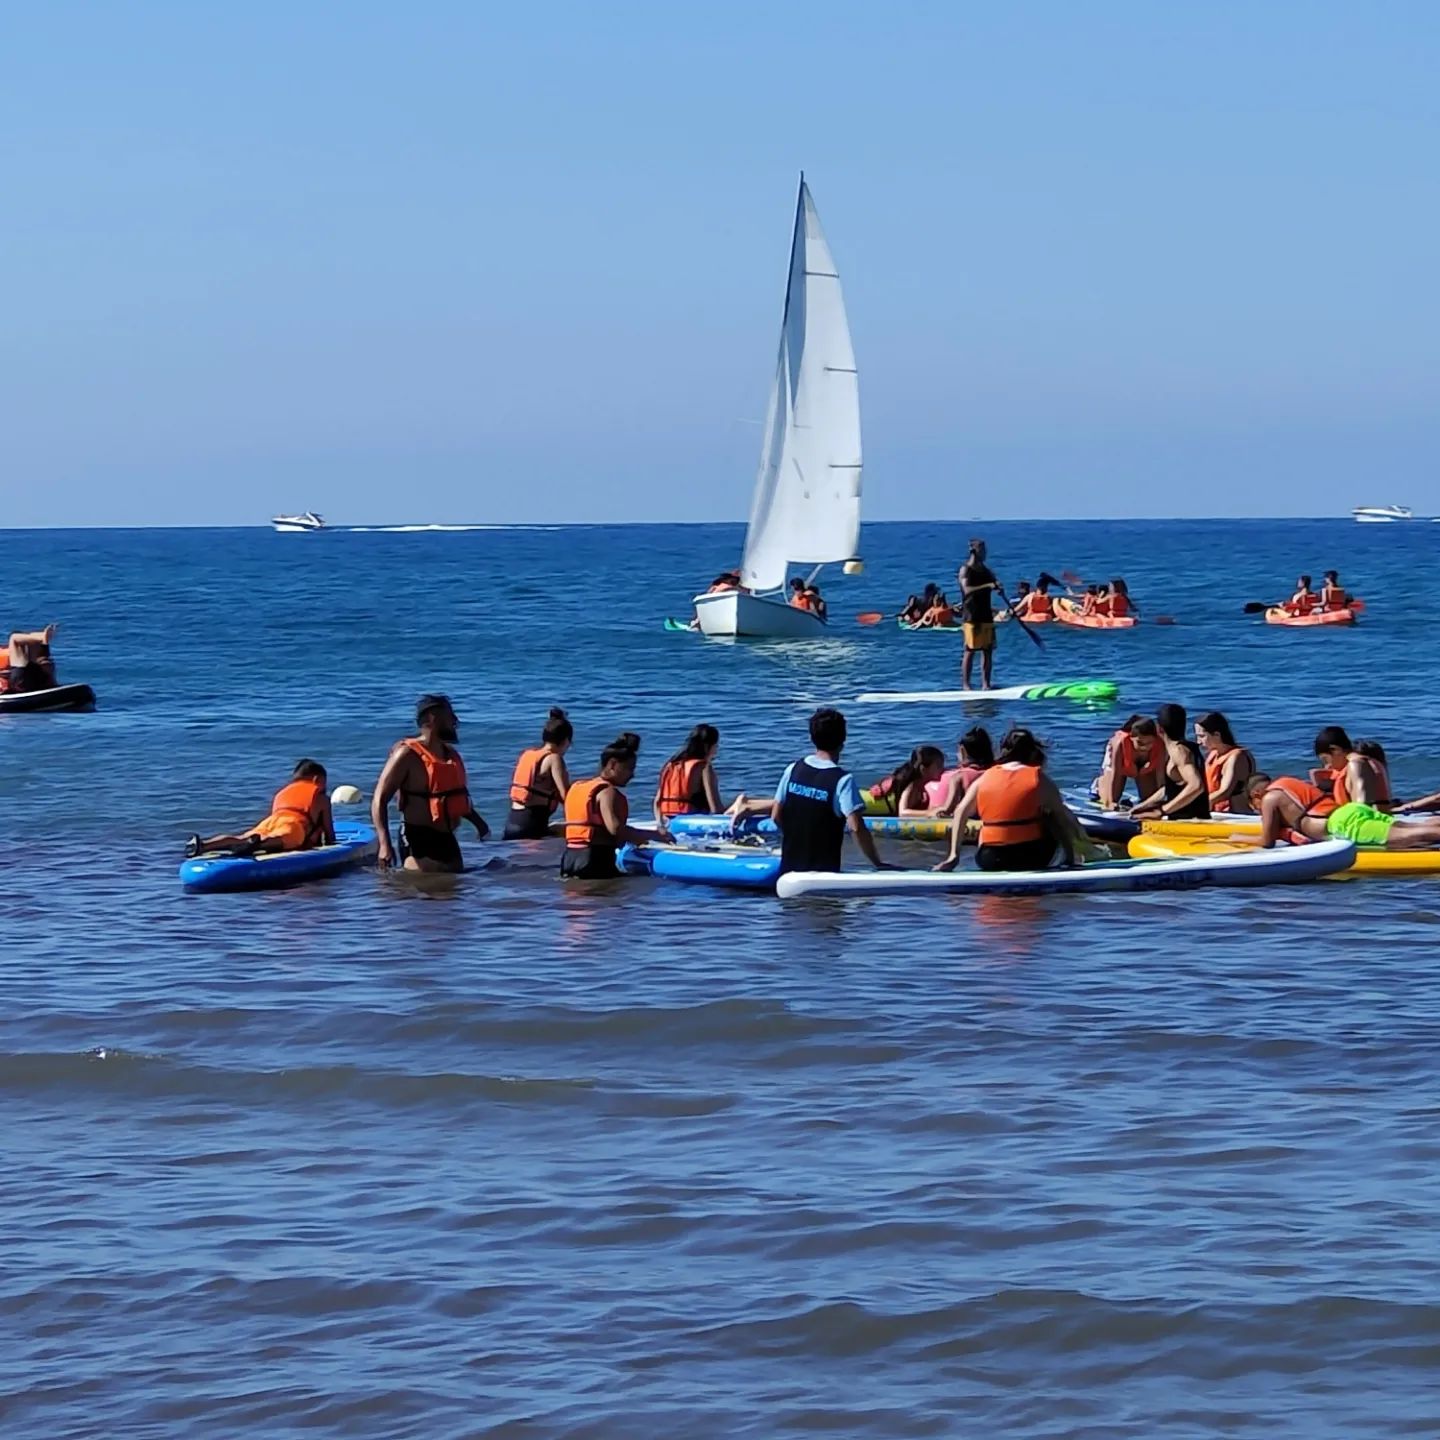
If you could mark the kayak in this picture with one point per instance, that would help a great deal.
(1067, 612)
(39, 702)
(210, 874)
(1005, 616)
(1087, 690)
(932, 629)
(1278, 615)
(1248, 867)
(734, 868)
(1369, 859)
(674, 625)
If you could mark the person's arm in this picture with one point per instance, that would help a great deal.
(1192, 780)
(654, 804)
(712, 788)
(914, 801)
(954, 793)
(865, 840)
(608, 805)
(1425, 802)
(554, 766)
(1272, 817)
(482, 829)
(327, 822)
(957, 827)
(1359, 781)
(391, 778)
(1068, 830)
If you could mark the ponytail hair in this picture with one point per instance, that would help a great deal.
(698, 744)
(625, 746)
(1216, 724)
(907, 773)
(1372, 750)
(1022, 748)
(558, 728)
(979, 748)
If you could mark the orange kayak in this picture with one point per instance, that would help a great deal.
(1279, 615)
(1067, 612)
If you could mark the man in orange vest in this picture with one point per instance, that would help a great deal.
(428, 775)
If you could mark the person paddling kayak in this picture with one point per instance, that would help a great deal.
(1304, 600)
(1332, 592)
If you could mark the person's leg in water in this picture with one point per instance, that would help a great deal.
(233, 845)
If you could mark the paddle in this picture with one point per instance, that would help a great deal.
(1015, 614)
(869, 617)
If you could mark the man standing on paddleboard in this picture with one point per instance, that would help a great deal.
(977, 613)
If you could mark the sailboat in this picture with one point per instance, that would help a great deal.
(806, 507)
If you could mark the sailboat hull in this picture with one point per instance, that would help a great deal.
(736, 612)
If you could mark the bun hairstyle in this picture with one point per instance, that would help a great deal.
(624, 747)
(1021, 747)
(558, 728)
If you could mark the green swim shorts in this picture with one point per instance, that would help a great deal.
(1363, 824)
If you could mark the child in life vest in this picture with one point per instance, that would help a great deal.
(300, 819)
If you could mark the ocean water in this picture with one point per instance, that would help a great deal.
(491, 1156)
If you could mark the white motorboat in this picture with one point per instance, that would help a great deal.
(296, 524)
(1382, 514)
(806, 507)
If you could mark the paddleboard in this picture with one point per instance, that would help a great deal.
(731, 868)
(1252, 867)
(1111, 829)
(1369, 860)
(930, 629)
(1089, 690)
(51, 701)
(210, 874)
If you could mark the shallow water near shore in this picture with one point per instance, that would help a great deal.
(493, 1155)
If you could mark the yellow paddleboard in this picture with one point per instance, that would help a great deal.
(1368, 861)
(1220, 827)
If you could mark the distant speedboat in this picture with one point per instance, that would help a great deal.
(295, 524)
(1382, 514)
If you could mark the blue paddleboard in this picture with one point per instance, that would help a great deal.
(732, 869)
(209, 874)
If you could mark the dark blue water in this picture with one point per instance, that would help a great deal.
(495, 1157)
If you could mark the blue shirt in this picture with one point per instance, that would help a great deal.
(847, 795)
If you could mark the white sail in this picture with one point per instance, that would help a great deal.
(806, 509)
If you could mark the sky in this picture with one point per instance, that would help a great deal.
(469, 262)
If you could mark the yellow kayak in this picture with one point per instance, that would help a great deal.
(1152, 845)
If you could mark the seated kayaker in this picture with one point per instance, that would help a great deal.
(975, 753)
(1296, 811)
(1023, 820)
(1036, 604)
(1353, 775)
(1114, 602)
(903, 791)
(1133, 752)
(1182, 795)
(538, 786)
(1090, 604)
(299, 819)
(1228, 766)
(597, 817)
(27, 663)
(1304, 600)
(916, 606)
(940, 615)
(1332, 593)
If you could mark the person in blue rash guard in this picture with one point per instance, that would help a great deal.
(817, 801)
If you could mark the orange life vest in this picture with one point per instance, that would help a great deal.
(1214, 769)
(583, 825)
(1333, 597)
(1117, 606)
(445, 787)
(943, 615)
(681, 791)
(1340, 787)
(1123, 756)
(801, 601)
(1036, 606)
(1009, 805)
(527, 792)
(297, 815)
(1313, 801)
(1301, 603)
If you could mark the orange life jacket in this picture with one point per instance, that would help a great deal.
(583, 825)
(303, 798)
(1333, 597)
(527, 791)
(681, 791)
(943, 615)
(1117, 606)
(1036, 606)
(1214, 769)
(1009, 805)
(801, 601)
(1123, 756)
(1302, 603)
(1340, 787)
(1313, 801)
(445, 787)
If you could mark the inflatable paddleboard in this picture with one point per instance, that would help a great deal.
(931, 629)
(210, 874)
(1067, 612)
(1063, 690)
(1250, 867)
(719, 827)
(40, 702)
(1278, 615)
(732, 868)
(1369, 860)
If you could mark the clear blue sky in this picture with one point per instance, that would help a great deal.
(470, 262)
